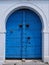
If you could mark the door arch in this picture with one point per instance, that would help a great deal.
(24, 35)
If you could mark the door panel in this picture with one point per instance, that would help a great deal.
(33, 31)
(13, 35)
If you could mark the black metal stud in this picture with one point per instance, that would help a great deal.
(20, 25)
(28, 37)
(27, 25)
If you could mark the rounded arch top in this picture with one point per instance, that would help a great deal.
(32, 7)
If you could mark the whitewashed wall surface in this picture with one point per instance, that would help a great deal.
(42, 6)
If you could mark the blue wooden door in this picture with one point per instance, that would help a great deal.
(23, 36)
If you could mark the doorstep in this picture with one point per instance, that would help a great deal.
(24, 62)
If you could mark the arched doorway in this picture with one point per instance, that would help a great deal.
(23, 36)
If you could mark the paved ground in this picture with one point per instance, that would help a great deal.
(33, 62)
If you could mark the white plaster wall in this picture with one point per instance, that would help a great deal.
(5, 6)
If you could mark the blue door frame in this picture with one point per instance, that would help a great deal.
(23, 36)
